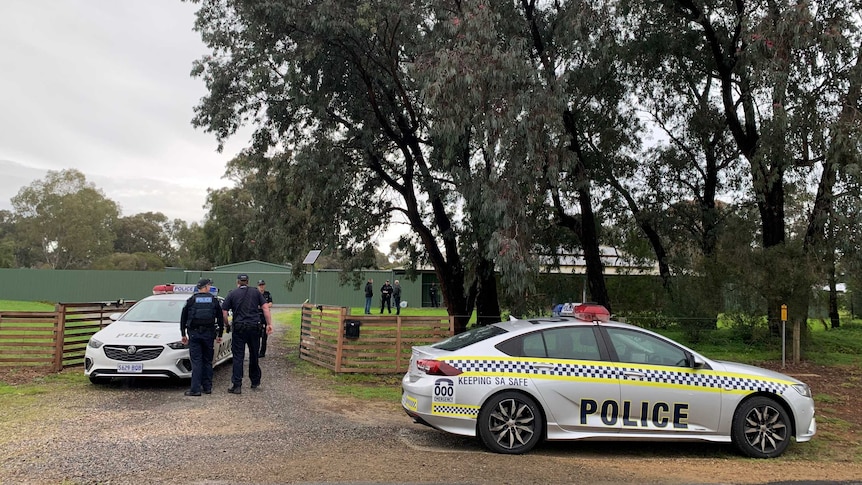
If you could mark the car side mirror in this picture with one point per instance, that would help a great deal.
(115, 316)
(697, 362)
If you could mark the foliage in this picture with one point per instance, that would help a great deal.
(749, 329)
(226, 236)
(63, 222)
(344, 137)
(146, 232)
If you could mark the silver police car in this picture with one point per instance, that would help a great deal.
(145, 341)
(581, 376)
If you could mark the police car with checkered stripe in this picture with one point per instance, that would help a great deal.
(581, 376)
(145, 341)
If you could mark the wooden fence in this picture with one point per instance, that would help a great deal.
(384, 342)
(53, 340)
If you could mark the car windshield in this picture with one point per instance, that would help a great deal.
(476, 334)
(167, 311)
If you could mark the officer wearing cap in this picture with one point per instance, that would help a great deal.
(201, 323)
(247, 305)
(261, 287)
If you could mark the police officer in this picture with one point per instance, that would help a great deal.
(261, 287)
(386, 297)
(396, 297)
(246, 304)
(201, 323)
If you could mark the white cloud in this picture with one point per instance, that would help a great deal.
(103, 86)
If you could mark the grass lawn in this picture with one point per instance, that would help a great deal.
(25, 306)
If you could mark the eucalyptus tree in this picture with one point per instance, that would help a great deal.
(63, 222)
(784, 69)
(342, 133)
(227, 238)
(147, 232)
(188, 241)
(7, 239)
(688, 184)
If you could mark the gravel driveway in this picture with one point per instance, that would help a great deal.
(296, 430)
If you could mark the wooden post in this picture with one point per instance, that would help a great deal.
(398, 343)
(796, 338)
(339, 347)
(59, 335)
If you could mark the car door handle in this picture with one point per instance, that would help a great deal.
(543, 366)
(634, 375)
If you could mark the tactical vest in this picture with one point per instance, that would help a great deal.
(203, 309)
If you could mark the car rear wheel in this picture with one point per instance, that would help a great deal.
(510, 423)
(761, 428)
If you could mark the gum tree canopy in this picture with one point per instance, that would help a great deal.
(345, 138)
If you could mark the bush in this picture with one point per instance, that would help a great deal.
(750, 329)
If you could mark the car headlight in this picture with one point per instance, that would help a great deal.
(94, 343)
(178, 345)
(803, 389)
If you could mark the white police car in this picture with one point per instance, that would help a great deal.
(145, 341)
(582, 376)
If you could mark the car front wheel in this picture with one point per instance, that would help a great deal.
(510, 423)
(761, 428)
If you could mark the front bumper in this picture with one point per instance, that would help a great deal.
(169, 363)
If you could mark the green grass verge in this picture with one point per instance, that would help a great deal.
(25, 306)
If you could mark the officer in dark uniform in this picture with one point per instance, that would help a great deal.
(246, 304)
(261, 287)
(201, 323)
(386, 297)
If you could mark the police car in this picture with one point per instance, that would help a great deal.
(145, 341)
(581, 376)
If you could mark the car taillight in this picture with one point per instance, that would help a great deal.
(436, 368)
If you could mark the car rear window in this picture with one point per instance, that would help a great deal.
(470, 337)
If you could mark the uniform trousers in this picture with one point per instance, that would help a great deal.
(245, 334)
(201, 350)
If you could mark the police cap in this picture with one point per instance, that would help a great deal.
(261, 282)
(242, 277)
(204, 281)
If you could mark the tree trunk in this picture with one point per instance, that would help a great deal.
(592, 252)
(487, 304)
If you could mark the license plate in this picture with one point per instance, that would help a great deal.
(132, 368)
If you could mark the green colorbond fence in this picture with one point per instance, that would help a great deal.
(325, 286)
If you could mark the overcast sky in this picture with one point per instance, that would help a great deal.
(103, 86)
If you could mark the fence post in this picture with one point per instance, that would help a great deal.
(59, 335)
(339, 346)
(398, 343)
(797, 354)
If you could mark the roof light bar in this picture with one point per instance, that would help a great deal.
(172, 288)
(588, 312)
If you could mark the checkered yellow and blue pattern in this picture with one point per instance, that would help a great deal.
(661, 376)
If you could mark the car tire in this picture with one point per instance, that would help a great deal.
(510, 423)
(761, 428)
(99, 380)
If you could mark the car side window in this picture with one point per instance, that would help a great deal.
(640, 348)
(533, 345)
(572, 343)
(559, 343)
